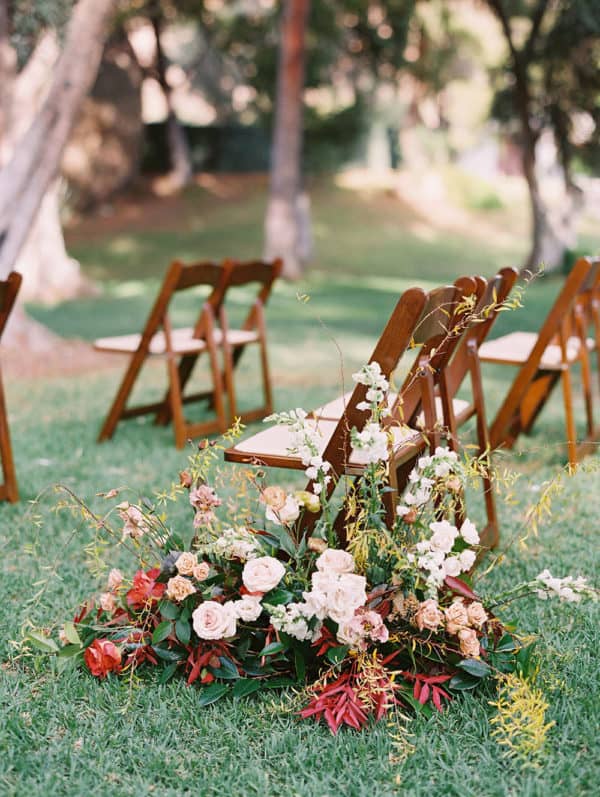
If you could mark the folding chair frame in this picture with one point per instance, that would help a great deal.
(9, 490)
(179, 277)
(574, 309)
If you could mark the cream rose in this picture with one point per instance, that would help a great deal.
(212, 620)
(428, 616)
(248, 608)
(115, 579)
(262, 574)
(334, 560)
(286, 514)
(346, 596)
(179, 588)
(444, 534)
(469, 644)
(467, 559)
(201, 571)
(477, 614)
(456, 617)
(185, 563)
(452, 566)
(469, 533)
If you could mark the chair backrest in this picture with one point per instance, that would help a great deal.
(182, 277)
(495, 292)
(447, 315)
(9, 288)
(587, 306)
(251, 272)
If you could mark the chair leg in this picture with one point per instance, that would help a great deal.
(120, 400)
(8, 465)
(586, 379)
(176, 403)
(569, 417)
(218, 397)
(262, 332)
(186, 366)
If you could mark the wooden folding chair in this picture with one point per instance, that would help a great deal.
(436, 314)
(9, 288)
(548, 357)
(235, 341)
(180, 348)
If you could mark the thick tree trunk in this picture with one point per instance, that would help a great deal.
(287, 222)
(179, 150)
(36, 157)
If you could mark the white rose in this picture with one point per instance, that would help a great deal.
(262, 574)
(315, 604)
(214, 620)
(335, 561)
(286, 514)
(248, 608)
(323, 582)
(452, 566)
(444, 534)
(467, 559)
(348, 595)
(469, 532)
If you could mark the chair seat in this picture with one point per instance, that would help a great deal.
(183, 341)
(516, 348)
(335, 409)
(271, 446)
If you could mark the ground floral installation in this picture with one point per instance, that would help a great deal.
(237, 608)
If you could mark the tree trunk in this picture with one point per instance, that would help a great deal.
(179, 150)
(287, 222)
(36, 157)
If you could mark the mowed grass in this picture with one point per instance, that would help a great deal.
(68, 734)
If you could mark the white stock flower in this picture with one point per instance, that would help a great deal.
(469, 533)
(371, 445)
(567, 589)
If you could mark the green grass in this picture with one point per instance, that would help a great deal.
(66, 734)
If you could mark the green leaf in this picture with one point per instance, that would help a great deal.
(167, 673)
(278, 683)
(337, 654)
(42, 642)
(174, 543)
(246, 686)
(475, 667)
(212, 693)
(227, 670)
(69, 651)
(300, 665)
(278, 596)
(168, 610)
(462, 682)
(161, 631)
(71, 634)
(272, 649)
(506, 644)
(165, 654)
(183, 631)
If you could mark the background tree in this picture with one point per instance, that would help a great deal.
(551, 76)
(33, 146)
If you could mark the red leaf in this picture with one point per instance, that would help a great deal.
(436, 699)
(460, 588)
(424, 696)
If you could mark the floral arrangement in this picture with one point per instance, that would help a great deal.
(392, 620)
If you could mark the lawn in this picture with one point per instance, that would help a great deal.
(67, 734)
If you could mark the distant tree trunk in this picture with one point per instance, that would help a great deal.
(179, 150)
(287, 222)
(36, 156)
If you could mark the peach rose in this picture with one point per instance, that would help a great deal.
(428, 616)
(334, 560)
(274, 497)
(214, 620)
(107, 602)
(185, 563)
(179, 588)
(262, 574)
(469, 644)
(456, 617)
(477, 614)
(115, 579)
(201, 571)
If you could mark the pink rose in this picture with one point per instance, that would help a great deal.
(115, 579)
(333, 560)
(107, 602)
(428, 616)
(456, 617)
(262, 574)
(214, 620)
(469, 644)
